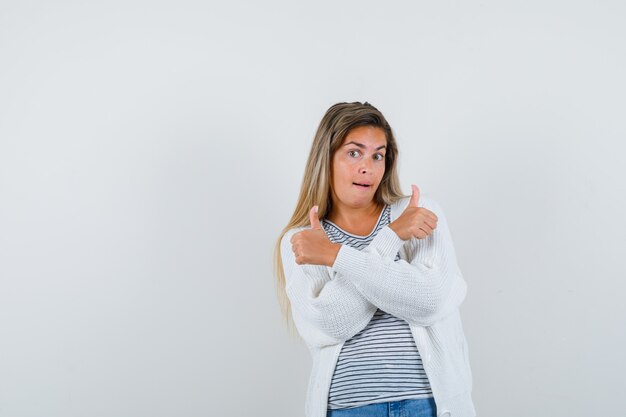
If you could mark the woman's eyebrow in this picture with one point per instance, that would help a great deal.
(360, 145)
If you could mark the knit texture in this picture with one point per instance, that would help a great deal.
(425, 288)
(380, 363)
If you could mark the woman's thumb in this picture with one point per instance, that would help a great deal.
(315, 221)
(415, 196)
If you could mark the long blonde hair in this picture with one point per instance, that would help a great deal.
(316, 185)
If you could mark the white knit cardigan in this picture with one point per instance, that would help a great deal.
(425, 288)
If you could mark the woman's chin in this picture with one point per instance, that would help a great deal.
(359, 201)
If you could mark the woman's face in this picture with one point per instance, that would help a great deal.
(358, 167)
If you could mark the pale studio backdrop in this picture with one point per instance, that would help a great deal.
(150, 153)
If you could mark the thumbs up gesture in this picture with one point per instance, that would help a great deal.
(414, 221)
(312, 246)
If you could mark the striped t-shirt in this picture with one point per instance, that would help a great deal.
(381, 362)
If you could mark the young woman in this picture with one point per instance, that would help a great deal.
(373, 287)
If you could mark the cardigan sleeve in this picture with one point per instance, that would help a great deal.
(325, 310)
(422, 290)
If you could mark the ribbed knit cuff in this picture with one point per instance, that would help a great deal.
(351, 261)
(386, 242)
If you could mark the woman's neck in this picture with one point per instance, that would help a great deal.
(359, 221)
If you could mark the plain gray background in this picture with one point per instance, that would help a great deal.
(150, 153)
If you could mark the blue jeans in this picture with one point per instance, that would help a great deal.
(406, 408)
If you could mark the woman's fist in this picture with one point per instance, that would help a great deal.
(414, 221)
(312, 246)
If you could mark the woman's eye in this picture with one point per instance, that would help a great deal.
(355, 153)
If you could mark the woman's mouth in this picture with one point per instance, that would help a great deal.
(362, 185)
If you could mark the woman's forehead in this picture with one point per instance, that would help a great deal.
(366, 137)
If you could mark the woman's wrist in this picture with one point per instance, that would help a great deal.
(333, 251)
(393, 227)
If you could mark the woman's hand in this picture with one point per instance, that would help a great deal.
(313, 246)
(414, 221)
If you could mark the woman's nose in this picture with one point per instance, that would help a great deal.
(366, 166)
